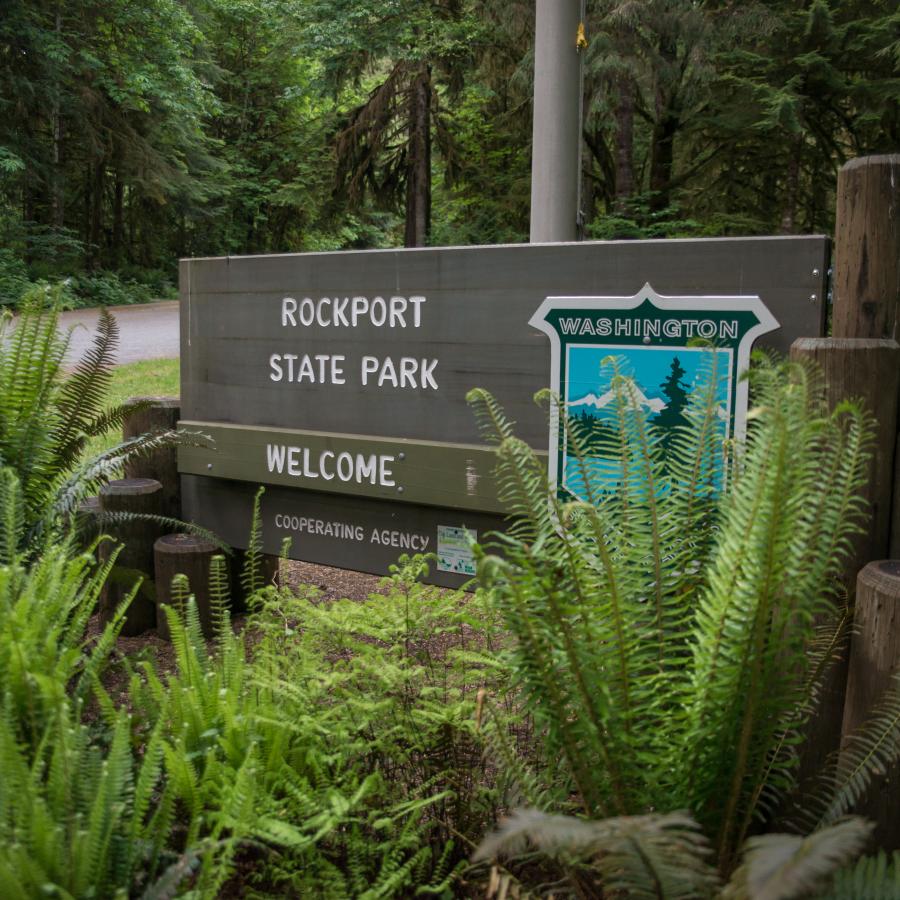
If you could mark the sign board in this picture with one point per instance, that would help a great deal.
(339, 379)
(664, 345)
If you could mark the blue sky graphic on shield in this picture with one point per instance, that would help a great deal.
(664, 377)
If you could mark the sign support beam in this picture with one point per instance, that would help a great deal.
(555, 129)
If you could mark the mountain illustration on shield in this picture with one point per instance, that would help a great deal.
(660, 384)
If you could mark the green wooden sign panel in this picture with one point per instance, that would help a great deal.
(307, 367)
(453, 476)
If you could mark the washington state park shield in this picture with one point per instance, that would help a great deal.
(664, 344)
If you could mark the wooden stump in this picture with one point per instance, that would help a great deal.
(185, 554)
(140, 497)
(269, 573)
(874, 660)
(160, 414)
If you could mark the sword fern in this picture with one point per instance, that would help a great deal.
(662, 630)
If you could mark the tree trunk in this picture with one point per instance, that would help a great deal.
(418, 172)
(791, 190)
(118, 228)
(95, 237)
(665, 128)
(58, 198)
(624, 189)
(661, 160)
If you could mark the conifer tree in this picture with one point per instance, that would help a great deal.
(677, 395)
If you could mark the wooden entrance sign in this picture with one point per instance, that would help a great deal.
(339, 379)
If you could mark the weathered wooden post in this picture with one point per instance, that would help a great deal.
(191, 556)
(156, 414)
(862, 361)
(865, 369)
(136, 499)
(874, 661)
(867, 265)
(867, 249)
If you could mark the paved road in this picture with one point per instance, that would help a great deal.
(146, 331)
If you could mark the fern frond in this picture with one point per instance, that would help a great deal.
(251, 578)
(784, 866)
(867, 753)
(639, 856)
(83, 393)
(870, 878)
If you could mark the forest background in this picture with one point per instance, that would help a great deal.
(135, 133)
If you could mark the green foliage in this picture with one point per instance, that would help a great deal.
(663, 632)
(48, 415)
(135, 133)
(870, 878)
(348, 746)
(78, 819)
(46, 660)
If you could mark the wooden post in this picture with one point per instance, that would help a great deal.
(867, 267)
(867, 249)
(874, 660)
(159, 414)
(184, 554)
(868, 370)
(139, 497)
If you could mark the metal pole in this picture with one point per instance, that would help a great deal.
(555, 132)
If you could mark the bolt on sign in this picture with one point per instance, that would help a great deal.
(667, 347)
(338, 380)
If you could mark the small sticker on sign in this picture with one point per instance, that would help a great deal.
(453, 551)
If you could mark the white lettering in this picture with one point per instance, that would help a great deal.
(345, 466)
(307, 472)
(387, 373)
(416, 303)
(408, 367)
(366, 468)
(369, 367)
(728, 329)
(672, 328)
(428, 367)
(706, 328)
(398, 307)
(288, 308)
(307, 312)
(360, 308)
(275, 455)
(275, 365)
(306, 370)
(379, 304)
(293, 462)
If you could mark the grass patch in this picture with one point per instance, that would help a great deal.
(150, 378)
